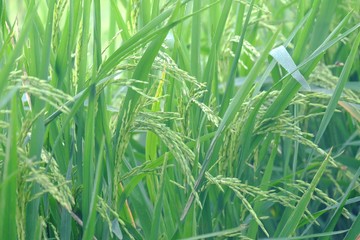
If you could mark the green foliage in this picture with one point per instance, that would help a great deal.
(192, 119)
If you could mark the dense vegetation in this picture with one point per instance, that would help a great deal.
(166, 119)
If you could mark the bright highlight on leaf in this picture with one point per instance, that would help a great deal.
(282, 56)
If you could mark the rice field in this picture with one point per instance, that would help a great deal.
(180, 119)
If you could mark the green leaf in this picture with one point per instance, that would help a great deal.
(9, 178)
(7, 68)
(311, 236)
(338, 90)
(90, 224)
(296, 215)
(334, 219)
(228, 117)
(230, 81)
(88, 160)
(354, 231)
(281, 55)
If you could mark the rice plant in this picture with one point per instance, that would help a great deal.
(187, 119)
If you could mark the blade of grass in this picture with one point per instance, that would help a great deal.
(129, 46)
(253, 228)
(156, 221)
(273, 62)
(8, 96)
(311, 236)
(246, 135)
(152, 143)
(195, 41)
(127, 112)
(8, 188)
(224, 233)
(281, 55)
(290, 88)
(322, 23)
(216, 42)
(334, 219)
(83, 55)
(90, 224)
(125, 35)
(155, 9)
(7, 68)
(337, 93)
(305, 32)
(142, 37)
(2, 15)
(121, 53)
(230, 81)
(354, 232)
(338, 90)
(145, 12)
(296, 215)
(88, 165)
(38, 128)
(144, 66)
(228, 117)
